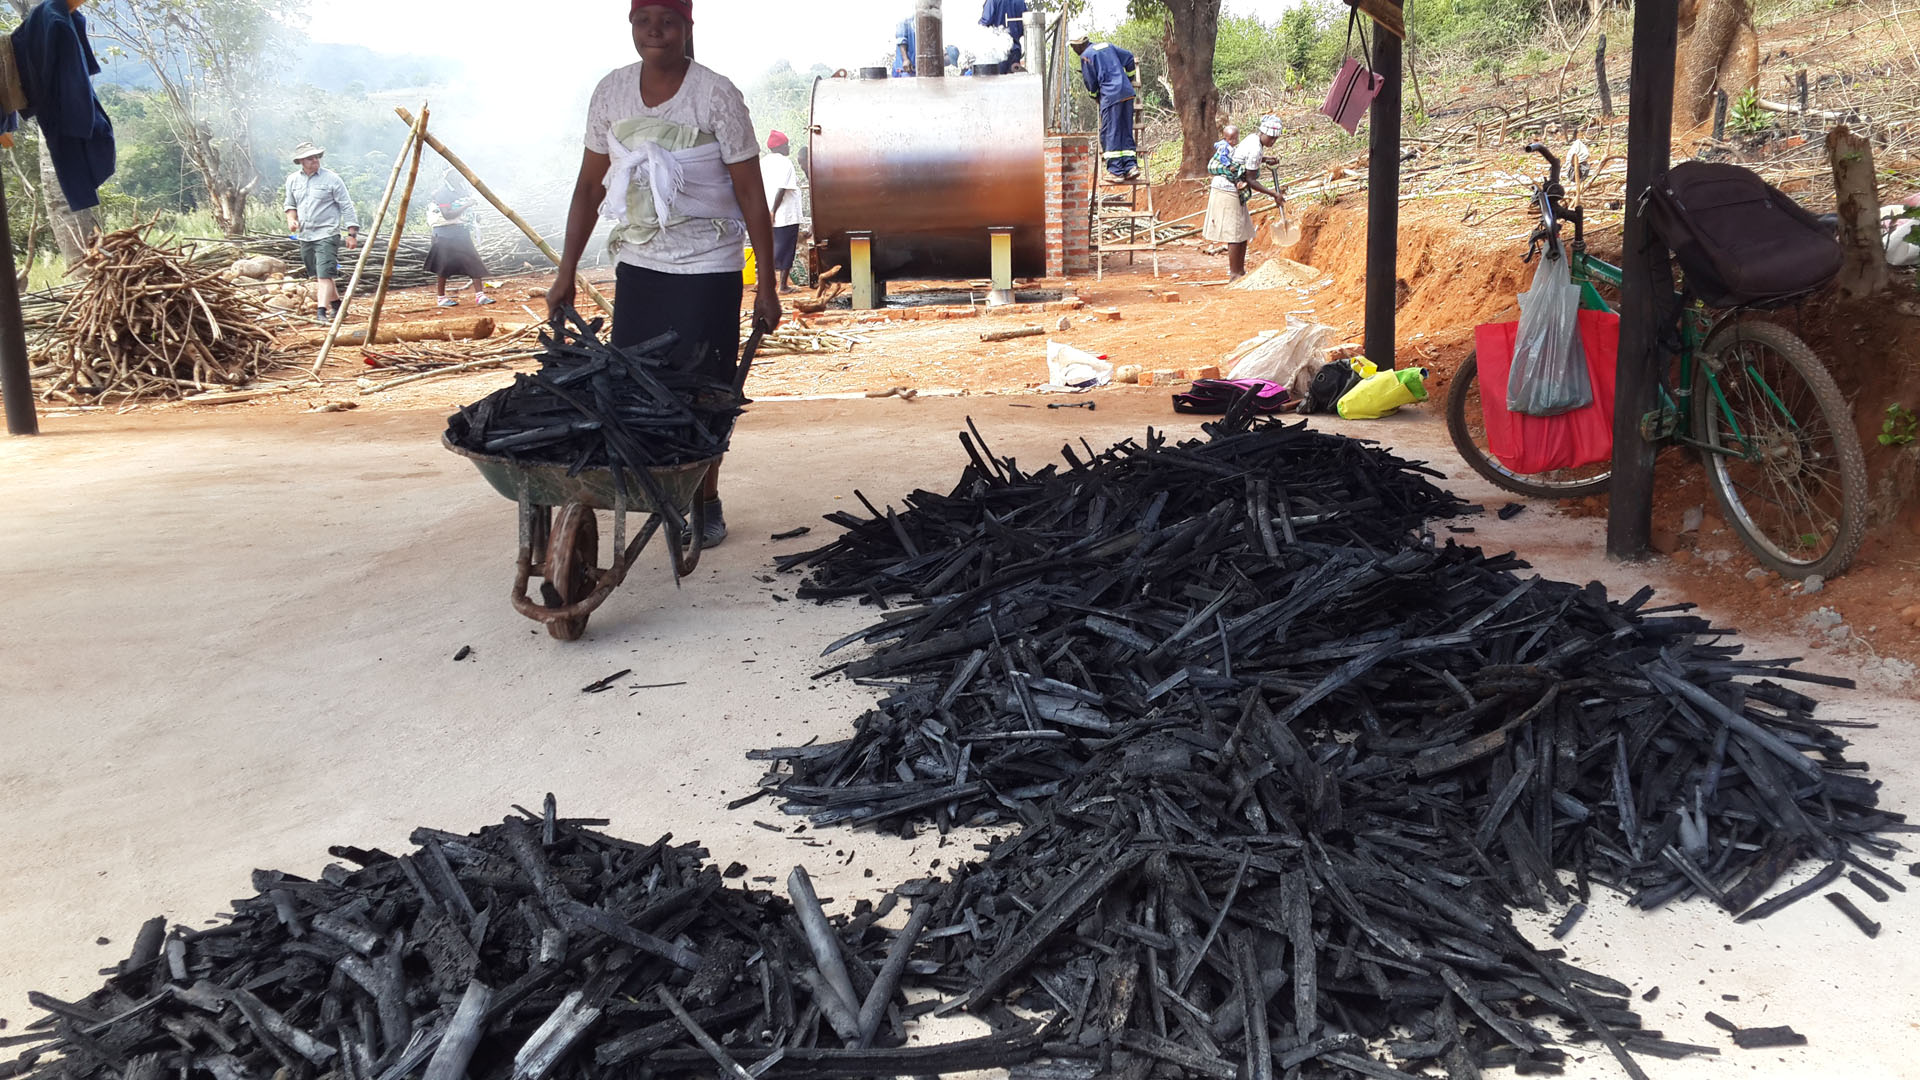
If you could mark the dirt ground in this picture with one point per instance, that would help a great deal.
(1455, 275)
(258, 663)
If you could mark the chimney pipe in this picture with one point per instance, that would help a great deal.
(930, 47)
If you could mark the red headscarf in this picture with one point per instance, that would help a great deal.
(684, 7)
(776, 140)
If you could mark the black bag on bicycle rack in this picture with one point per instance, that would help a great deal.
(1741, 241)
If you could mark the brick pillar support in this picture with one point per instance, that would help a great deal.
(1069, 188)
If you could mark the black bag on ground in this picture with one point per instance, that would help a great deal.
(1741, 241)
(1329, 384)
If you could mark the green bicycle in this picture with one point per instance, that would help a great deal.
(1772, 429)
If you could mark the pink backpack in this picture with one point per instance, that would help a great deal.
(1355, 86)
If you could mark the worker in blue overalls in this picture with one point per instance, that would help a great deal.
(1110, 75)
(904, 41)
(1011, 16)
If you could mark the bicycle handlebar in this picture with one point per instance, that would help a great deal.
(1553, 176)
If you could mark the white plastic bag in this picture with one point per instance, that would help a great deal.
(1277, 358)
(1898, 233)
(1239, 352)
(1549, 374)
(1069, 368)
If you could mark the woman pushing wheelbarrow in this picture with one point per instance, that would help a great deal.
(671, 157)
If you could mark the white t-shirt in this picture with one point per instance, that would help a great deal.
(1245, 156)
(777, 173)
(711, 103)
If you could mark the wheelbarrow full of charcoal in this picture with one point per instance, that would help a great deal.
(598, 429)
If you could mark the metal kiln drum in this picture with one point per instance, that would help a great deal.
(928, 166)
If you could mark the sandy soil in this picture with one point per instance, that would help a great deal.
(257, 663)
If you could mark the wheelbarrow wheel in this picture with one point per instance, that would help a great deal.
(573, 553)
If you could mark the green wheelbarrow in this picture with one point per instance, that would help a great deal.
(560, 532)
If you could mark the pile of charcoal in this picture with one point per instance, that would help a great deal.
(1286, 763)
(536, 948)
(592, 406)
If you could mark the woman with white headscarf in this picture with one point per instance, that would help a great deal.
(1229, 221)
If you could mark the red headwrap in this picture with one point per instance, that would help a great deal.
(776, 140)
(684, 7)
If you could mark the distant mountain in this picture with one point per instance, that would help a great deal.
(330, 67)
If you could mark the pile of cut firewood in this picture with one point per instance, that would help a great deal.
(147, 322)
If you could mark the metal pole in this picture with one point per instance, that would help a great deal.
(929, 41)
(1383, 201)
(1649, 137)
(16, 378)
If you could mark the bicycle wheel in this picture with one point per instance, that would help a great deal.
(1466, 423)
(1784, 461)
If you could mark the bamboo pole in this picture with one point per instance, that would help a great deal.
(505, 210)
(399, 227)
(450, 370)
(346, 297)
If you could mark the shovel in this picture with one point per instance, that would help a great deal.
(1286, 228)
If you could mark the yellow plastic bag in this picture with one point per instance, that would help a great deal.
(1363, 366)
(747, 276)
(1382, 393)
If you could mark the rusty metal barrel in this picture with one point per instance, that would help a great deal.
(928, 166)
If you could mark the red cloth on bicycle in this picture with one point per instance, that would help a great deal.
(1535, 444)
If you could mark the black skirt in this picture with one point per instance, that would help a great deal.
(704, 309)
(453, 254)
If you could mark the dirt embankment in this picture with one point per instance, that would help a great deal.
(1452, 277)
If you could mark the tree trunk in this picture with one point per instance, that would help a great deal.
(229, 206)
(1718, 50)
(1857, 198)
(72, 230)
(1192, 27)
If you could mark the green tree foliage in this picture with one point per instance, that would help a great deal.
(212, 59)
(1248, 53)
(1144, 37)
(1477, 28)
(1305, 45)
(781, 99)
(1313, 40)
(150, 171)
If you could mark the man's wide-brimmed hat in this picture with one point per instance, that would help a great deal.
(306, 150)
(1080, 39)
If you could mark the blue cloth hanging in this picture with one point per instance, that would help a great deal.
(57, 67)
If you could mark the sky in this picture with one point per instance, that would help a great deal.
(569, 38)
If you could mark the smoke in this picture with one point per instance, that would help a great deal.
(980, 44)
(509, 86)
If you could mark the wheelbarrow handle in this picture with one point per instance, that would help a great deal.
(746, 357)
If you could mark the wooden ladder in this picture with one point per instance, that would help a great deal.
(1118, 221)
